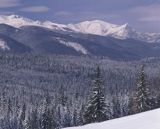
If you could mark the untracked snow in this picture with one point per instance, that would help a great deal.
(147, 120)
(3, 45)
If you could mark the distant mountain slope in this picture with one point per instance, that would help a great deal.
(25, 35)
(10, 45)
(42, 40)
(96, 27)
(147, 120)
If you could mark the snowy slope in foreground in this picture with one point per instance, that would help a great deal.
(147, 120)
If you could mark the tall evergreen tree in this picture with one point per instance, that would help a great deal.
(96, 109)
(22, 116)
(80, 119)
(9, 108)
(34, 119)
(116, 107)
(46, 119)
(141, 99)
(130, 106)
(27, 123)
(67, 120)
(75, 117)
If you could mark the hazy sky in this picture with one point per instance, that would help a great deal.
(143, 15)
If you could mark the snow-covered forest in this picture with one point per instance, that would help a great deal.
(51, 91)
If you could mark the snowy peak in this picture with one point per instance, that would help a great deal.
(92, 27)
(102, 28)
(122, 31)
(18, 21)
(98, 27)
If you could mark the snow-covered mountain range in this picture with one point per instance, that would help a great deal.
(96, 27)
(91, 38)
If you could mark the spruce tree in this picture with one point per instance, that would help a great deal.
(34, 119)
(96, 109)
(46, 119)
(80, 119)
(22, 117)
(130, 106)
(27, 123)
(116, 107)
(141, 99)
(75, 117)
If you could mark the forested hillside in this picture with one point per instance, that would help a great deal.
(37, 89)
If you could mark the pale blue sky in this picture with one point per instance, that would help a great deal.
(143, 15)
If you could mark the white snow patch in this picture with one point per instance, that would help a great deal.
(147, 120)
(3, 45)
(78, 47)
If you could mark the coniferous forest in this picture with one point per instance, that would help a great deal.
(53, 91)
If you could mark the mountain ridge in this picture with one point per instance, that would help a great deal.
(27, 36)
(95, 27)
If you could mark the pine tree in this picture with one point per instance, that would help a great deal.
(27, 123)
(130, 106)
(75, 118)
(34, 119)
(96, 109)
(67, 120)
(46, 119)
(141, 99)
(22, 116)
(116, 107)
(9, 108)
(80, 119)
